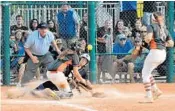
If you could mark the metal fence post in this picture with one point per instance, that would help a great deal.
(92, 36)
(6, 48)
(170, 51)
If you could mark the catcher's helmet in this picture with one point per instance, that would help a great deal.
(77, 45)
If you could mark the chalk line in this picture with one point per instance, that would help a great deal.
(30, 102)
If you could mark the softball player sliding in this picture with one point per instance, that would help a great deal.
(158, 39)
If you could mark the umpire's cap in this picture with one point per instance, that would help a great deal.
(43, 25)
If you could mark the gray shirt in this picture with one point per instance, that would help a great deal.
(37, 44)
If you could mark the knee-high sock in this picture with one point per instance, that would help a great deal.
(153, 84)
(147, 87)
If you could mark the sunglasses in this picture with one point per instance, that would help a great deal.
(122, 39)
(137, 41)
(143, 31)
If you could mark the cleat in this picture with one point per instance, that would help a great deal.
(147, 100)
(18, 85)
(51, 94)
(64, 95)
(157, 94)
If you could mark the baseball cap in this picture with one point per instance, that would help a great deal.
(43, 25)
(121, 36)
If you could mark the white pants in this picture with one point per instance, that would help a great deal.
(59, 79)
(154, 59)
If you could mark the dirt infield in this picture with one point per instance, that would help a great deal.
(119, 97)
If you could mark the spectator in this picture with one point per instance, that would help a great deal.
(109, 38)
(13, 45)
(84, 28)
(128, 12)
(123, 46)
(127, 32)
(20, 48)
(136, 32)
(52, 28)
(68, 25)
(18, 26)
(102, 34)
(83, 45)
(33, 25)
(148, 8)
(59, 45)
(24, 36)
(37, 47)
(75, 14)
(135, 65)
(118, 28)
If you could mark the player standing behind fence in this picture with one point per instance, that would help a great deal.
(158, 39)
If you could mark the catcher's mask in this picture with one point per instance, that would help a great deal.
(76, 46)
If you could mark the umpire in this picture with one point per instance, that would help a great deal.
(37, 48)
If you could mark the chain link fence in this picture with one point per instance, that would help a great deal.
(119, 25)
(117, 38)
(1, 44)
(24, 18)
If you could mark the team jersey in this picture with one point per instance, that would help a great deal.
(160, 36)
(65, 65)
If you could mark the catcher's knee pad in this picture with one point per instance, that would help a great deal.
(59, 79)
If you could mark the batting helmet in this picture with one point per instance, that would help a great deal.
(86, 56)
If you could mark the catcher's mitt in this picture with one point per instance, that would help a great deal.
(77, 85)
(85, 86)
(88, 88)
